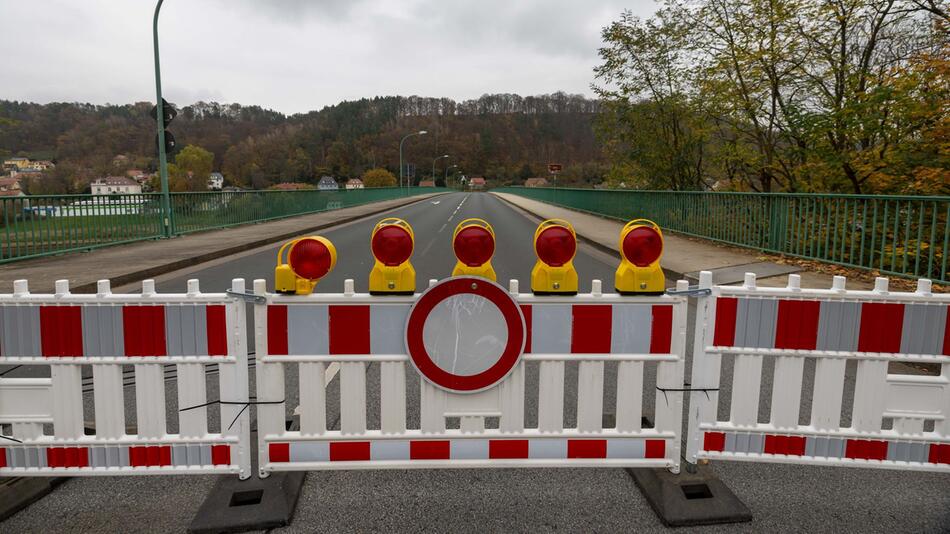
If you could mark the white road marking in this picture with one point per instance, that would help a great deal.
(436, 201)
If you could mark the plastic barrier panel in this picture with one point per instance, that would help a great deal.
(83, 343)
(873, 367)
(469, 341)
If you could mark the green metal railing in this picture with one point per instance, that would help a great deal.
(898, 235)
(41, 225)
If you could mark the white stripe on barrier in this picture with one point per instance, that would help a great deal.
(792, 325)
(105, 331)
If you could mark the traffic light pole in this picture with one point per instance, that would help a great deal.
(160, 118)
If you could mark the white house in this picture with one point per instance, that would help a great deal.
(115, 185)
(327, 183)
(354, 183)
(215, 181)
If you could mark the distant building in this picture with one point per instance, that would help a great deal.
(536, 182)
(9, 184)
(327, 183)
(15, 164)
(231, 189)
(41, 165)
(215, 181)
(476, 182)
(354, 183)
(115, 185)
(11, 193)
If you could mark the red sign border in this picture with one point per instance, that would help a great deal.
(487, 289)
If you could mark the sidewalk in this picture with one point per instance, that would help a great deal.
(124, 264)
(683, 257)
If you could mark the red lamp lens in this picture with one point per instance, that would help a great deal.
(474, 245)
(555, 246)
(310, 259)
(642, 246)
(392, 245)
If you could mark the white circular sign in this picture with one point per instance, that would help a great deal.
(465, 334)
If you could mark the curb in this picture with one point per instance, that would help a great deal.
(143, 274)
(669, 273)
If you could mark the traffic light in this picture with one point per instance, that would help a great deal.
(555, 243)
(392, 242)
(474, 246)
(308, 260)
(641, 246)
(168, 115)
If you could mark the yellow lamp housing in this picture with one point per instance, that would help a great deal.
(641, 247)
(308, 260)
(474, 244)
(392, 242)
(555, 244)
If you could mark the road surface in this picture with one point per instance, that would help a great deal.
(782, 498)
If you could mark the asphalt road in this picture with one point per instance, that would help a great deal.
(782, 498)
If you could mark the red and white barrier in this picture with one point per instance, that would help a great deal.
(353, 330)
(105, 331)
(897, 420)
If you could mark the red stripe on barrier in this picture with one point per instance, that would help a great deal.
(655, 448)
(790, 445)
(61, 330)
(506, 449)
(881, 325)
(279, 452)
(661, 331)
(349, 329)
(714, 441)
(3, 458)
(939, 453)
(67, 457)
(277, 329)
(797, 324)
(725, 335)
(587, 448)
(946, 335)
(143, 328)
(429, 450)
(865, 449)
(220, 455)
(150, 455)
(590, 329)
(217, 331)
(349, 451)
(526, 312)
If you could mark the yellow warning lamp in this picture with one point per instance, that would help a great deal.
(555, 243)
(641, 246)
(392, 243)
(308, 260)
(474, 246)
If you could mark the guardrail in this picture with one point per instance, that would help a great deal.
(42, 225)
(899, 235)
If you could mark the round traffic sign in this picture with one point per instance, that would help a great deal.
(465, 334)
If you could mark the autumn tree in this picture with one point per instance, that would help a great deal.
(378, 177)
(190, 170)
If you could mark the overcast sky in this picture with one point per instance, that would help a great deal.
(299, 55)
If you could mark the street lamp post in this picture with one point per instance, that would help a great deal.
(435, 159)
(401, 141)
(445, 179)
(160, 116)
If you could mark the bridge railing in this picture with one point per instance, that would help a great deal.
(900, 235)
(42, 225)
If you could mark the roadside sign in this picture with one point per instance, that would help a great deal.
(554, 168)
(465, 334)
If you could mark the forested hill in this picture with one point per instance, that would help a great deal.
(502, 136)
